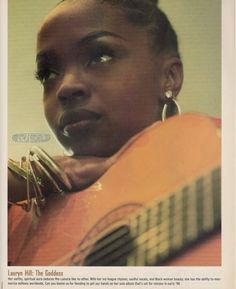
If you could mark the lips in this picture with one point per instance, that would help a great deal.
(75, 121)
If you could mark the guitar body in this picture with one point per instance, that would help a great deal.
(161, 160)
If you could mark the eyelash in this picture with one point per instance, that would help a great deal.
(43, 74)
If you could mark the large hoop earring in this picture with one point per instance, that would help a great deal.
(170, 104)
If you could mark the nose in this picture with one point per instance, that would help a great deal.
(72, 89)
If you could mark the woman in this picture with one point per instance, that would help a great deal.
(108, 69)
(113, 70)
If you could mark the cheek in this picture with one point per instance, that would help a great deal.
(49, 112)
(135, 96)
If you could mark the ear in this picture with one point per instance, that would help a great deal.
(173, 75)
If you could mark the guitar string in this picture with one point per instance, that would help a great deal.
(144, 212)
(159, 255)
(139, 234)
(128, 248)
(119, 252)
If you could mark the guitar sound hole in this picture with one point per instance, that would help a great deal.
(112, 249)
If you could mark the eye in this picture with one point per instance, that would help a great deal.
(44, 75)
(100, 57)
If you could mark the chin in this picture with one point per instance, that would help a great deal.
(94, 149)
(101, 145)
(95, 152)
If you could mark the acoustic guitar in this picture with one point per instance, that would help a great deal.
(159, 204)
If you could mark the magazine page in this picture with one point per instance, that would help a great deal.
(117, 152)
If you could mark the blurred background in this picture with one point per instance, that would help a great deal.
(197, 23)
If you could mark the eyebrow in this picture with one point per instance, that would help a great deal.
(97, 34)
(45, 55)
(90, 37)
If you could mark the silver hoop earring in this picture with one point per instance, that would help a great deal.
(170, 104)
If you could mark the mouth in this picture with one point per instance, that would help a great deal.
(73, 122)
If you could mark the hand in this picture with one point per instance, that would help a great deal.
(83, 171)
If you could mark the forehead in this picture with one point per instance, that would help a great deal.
(82, 16)
(77, 10)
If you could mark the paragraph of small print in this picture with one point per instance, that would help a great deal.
(117, 282)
